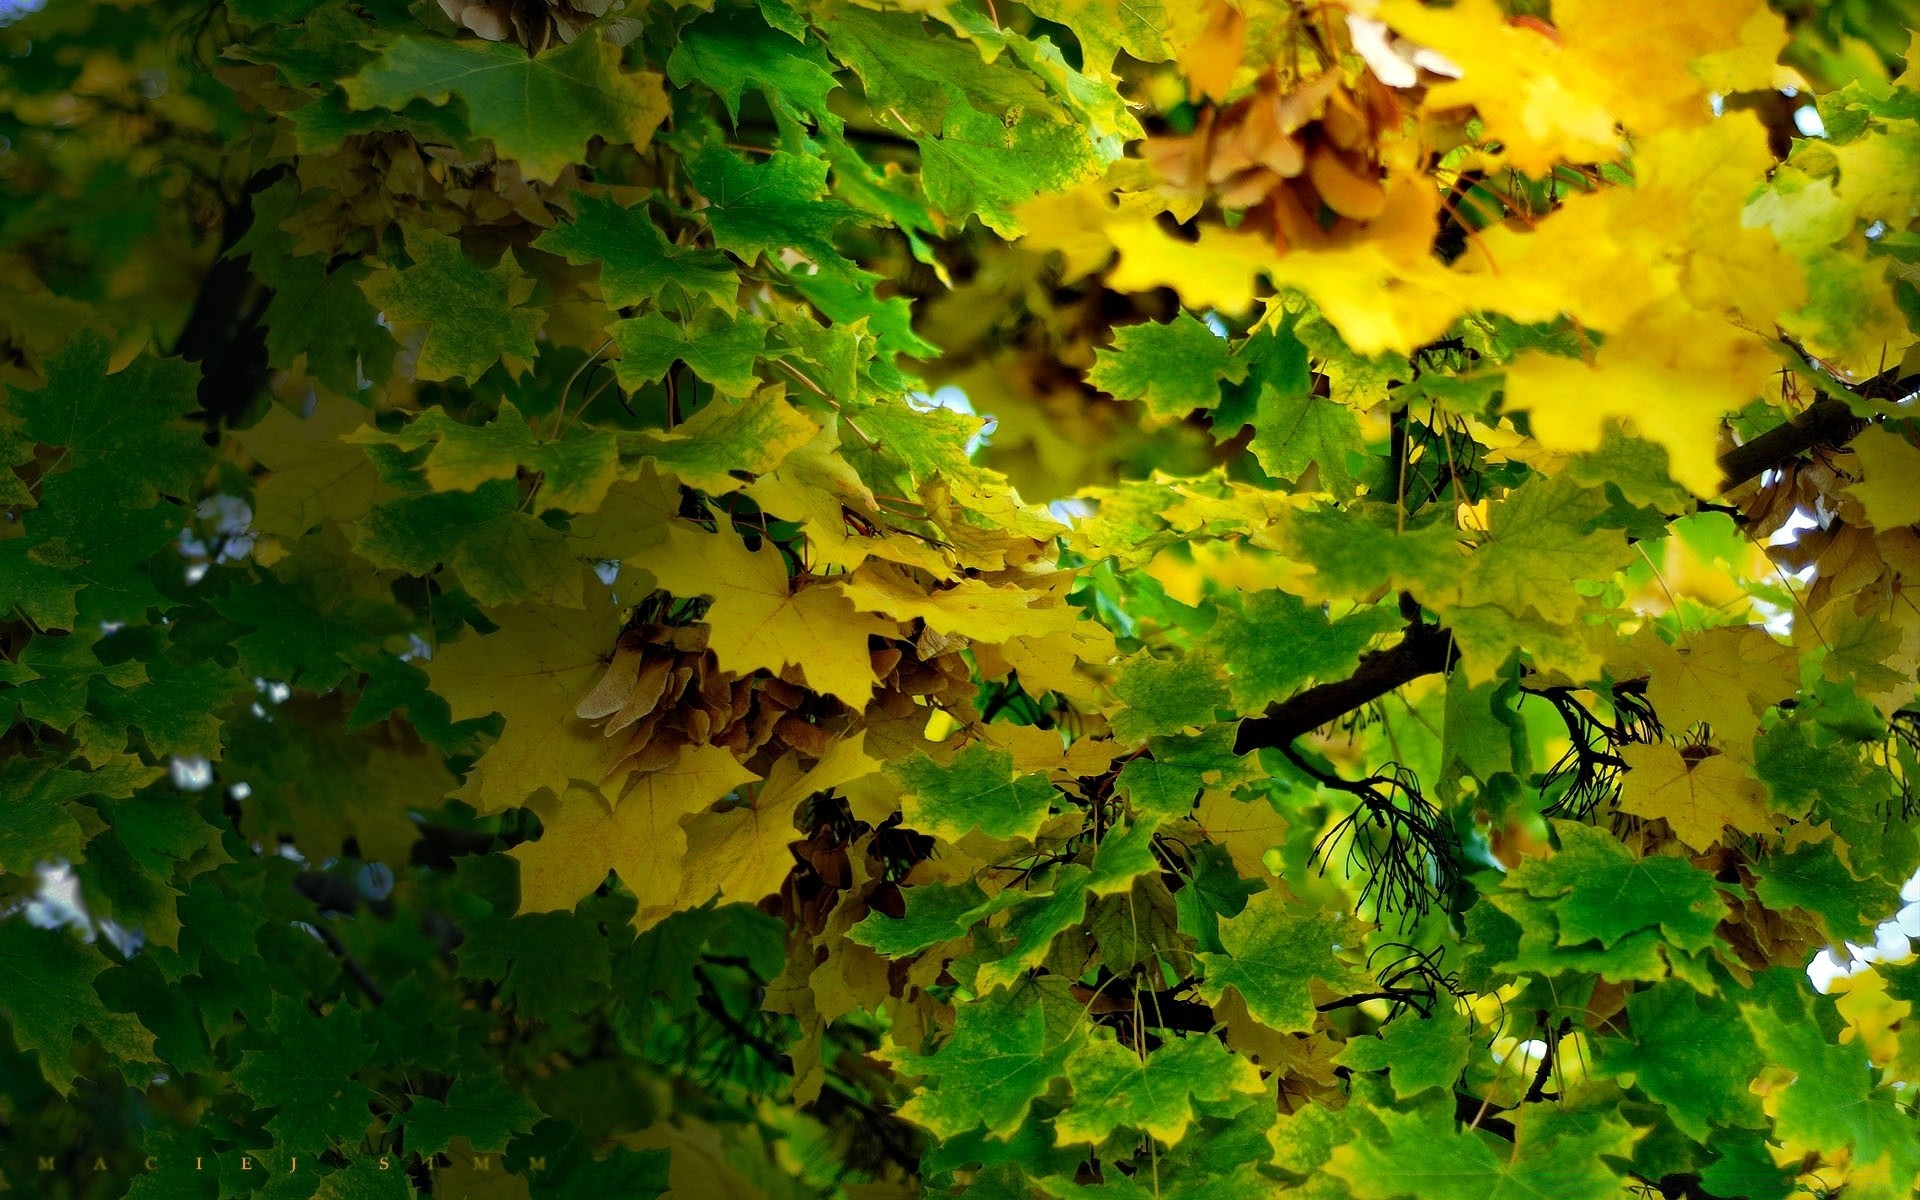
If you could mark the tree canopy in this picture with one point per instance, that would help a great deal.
(863, 599)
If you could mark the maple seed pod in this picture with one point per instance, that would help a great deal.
(1344, 189)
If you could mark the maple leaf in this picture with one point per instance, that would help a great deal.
(1000, 1059)
(1699, 797)
(120, 431)
(1423, 1153)
(753, 435)
(772, 206)
(744, 853)
(1175, 368)
(472, 318)
(50, 991)
(541, 110)
(1601, 892)
(1416, 1054)
(978, 789)
(1890, 464)
(575, 472)
(1272, 952)
(1689, 1053)
(761, 620)
(315, 475)
(636, 261)
(719, 348)
(532, 670)
(1154, 1093)
(636, 832)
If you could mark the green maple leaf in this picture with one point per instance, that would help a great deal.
(1421, 1153)
(304, 630)
(1175, 368)
(36, 823)
(729, 50)
(987, 165)
(575, 471)
(1416, 1053)
(1601, 892)
(324, 315)
(479, 1109)
(501, 554)
(307, 1073)
(543, 962)
(1035, 923)
(636, 260)
(771, 206)
(122, 432)
(751, 435)
(1811, 876)
(1001, 1058)
(1273, 951)
(1532, 944)
(1276, 644)
(1359, 550)
(1167, 695)
(1114, 1086)
(1296, 430)
(540, 110)
(1538, 547)
(935, 913)
(86, 552)
(1832, 1101)
(1161, 788)
(719, 348)
(473, 318)
(177, 709)
(48, 680)
(979, 790)
(1690, 1053)
(47, 990)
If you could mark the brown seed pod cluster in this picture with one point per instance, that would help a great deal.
(533, 23)
(664, 690)
(1299, 156)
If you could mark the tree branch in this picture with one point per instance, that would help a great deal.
(1425, 650)
(1429, 650)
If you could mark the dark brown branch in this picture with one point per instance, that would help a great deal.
(1428, 649)
(1425, 650)
(1830, 421)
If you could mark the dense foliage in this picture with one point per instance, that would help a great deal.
(523, 675)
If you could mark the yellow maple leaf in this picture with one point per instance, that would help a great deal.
(759, 620)
(1698, 798)
(637, 835)
(533, 671)
(315, 476)
(741, 854)
(1891, 466)
(1655, 63)
(1217, 270)
(1725, 677)
(1535, 95)
(970, 608)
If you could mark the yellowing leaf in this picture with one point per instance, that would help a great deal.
(533, 671)
(1537, 98)
(1724, 677)
(970, 608)
(1699, 798)
(761, 621)
(315, 475)
(741, 854)
(1890, 490)
(637, 836)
